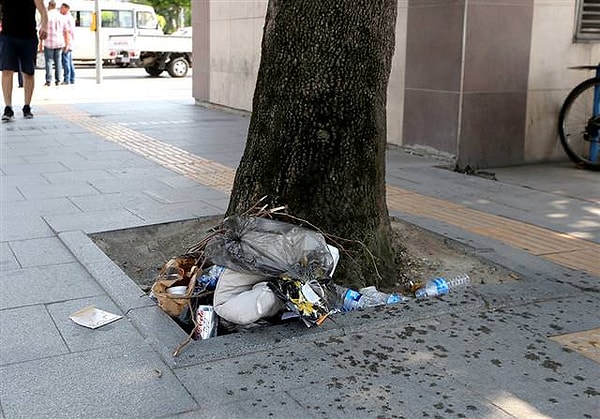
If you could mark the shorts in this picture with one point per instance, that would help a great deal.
(18, 50)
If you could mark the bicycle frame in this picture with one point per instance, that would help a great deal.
(595, 141)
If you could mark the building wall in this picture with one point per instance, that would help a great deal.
(480, 79)
(550, 79)
(233, 38)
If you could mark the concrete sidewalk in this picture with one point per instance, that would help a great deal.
(527, 348)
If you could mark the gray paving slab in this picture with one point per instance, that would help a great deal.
(124, 199)
(77, 176)
(517, 364)
(79, 338)
(558, 316)
(11, 194)
(280, 405)
(14, 226)
(156, 213)
(20, 180)
(64, 155)
(39, 207)
(29, 333)
(123, 291)
(48, 284)
(119, 381)
(41, 252)
(366, 392)
(107, 164)
(116, 184)
(8, 261)
(94, 221)
(29, 168)
(262, 374)
(33, 192)
(486, 353)
(170, 195)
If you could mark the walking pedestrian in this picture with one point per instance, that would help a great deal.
(18, 46)
(54, 43)
(67, 55)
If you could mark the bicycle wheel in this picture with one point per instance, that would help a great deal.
(578, 128)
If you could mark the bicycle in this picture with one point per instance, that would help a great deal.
(579, 122)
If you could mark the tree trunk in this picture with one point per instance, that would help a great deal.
(317, 135)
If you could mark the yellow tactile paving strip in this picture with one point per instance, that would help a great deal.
(204, 171)
(560, 248)
(587, 343)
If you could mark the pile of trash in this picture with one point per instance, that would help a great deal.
(251, 268)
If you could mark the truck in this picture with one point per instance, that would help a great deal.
(156, 53)
(118, 18)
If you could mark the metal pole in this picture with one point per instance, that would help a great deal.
(98, 13)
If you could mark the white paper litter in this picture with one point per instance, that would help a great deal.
(93, 317)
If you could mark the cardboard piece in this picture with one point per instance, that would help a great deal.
(93, 318)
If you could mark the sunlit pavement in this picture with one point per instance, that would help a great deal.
(135, 151)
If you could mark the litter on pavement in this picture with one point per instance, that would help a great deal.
(252, 268)
(93, 317)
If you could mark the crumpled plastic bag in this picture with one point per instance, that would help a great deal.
(270, 248)
(244, 298)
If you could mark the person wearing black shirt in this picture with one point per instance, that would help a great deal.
(18, 45)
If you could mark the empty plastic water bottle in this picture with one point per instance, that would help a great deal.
(440, 286)
(368, 297)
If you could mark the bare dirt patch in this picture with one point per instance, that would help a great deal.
(142, 251)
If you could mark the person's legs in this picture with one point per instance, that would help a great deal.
(28, 84)
(20, 75)
(28, 58)
(65, 64)
(9, 63)
(72, 68)
(57, 64)
(48, 60)
(7, 86)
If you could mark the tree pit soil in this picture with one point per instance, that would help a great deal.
(141, 252)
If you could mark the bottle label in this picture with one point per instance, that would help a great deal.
(351, 299)
(394, 298)
(441, 286)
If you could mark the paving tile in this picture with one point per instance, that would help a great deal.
(80, 338)
(106, 201)
(40, 207)
(77, 176)
(28, 169)
(94, 221)
(33, 192)
(169, 195)
(48, 284)
(22, 226)
(7, 258)
(117, 185)
(11, 194)
(41, 252)
(19, 180)
(247, 377)
(487, 353)
(122, 381)
(29, 333)
(155, 213)
(55, 154)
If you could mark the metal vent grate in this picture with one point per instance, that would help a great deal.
(588, 21)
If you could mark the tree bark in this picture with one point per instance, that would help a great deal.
(317, 136)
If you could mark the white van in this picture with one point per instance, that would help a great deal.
(118, 18)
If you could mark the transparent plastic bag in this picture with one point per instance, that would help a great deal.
(271, 248)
